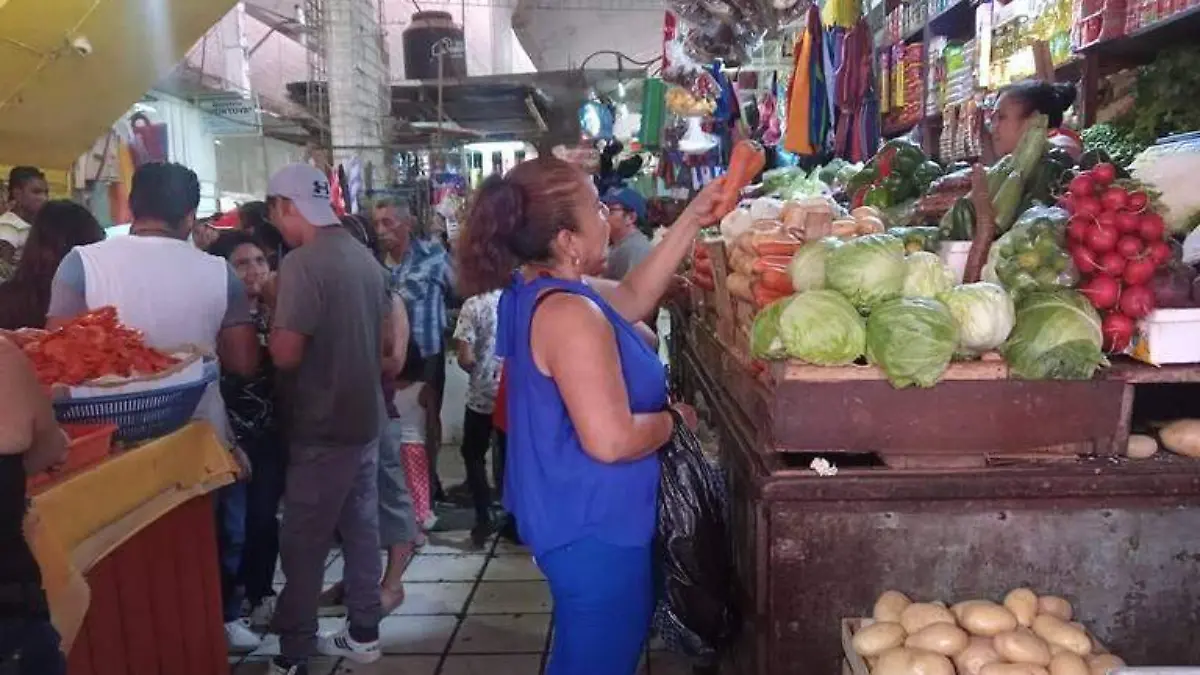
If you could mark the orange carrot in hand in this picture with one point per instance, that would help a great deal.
(745, 163)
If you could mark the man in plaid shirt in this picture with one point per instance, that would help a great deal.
(424, 276)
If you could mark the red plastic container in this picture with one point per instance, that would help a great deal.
(90, 444)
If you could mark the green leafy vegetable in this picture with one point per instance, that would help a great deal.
(765, 340)
(867, 270)
(1057, 336)
(984, 314)
(912, 340)
(820, 327)
(807, 268)
(927, 275)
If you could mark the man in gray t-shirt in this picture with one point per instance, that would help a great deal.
(330, 329)
(626, 212)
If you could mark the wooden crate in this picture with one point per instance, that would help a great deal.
(978, 415)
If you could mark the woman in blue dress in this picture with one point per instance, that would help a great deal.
(587, 399)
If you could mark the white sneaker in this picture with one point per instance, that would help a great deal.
(240, 637)
(341, 644)
(261, 616)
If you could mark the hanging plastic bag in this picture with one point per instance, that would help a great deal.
(694, 551)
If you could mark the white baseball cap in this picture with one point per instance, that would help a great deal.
(308, 189)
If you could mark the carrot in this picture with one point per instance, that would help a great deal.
(746, 161)
(780, 262)
(775, 280)
(764, 296)
(777, 247)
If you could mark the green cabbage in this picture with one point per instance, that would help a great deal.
(807, 268)
(867, 270)
(1057, 336)
(927, 275)
(765, 340)
(984, 314)
(822, 328)
(912, 340)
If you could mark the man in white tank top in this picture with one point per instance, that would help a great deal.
(175, 294)
(160, 284)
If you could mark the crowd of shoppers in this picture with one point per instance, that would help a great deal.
(332, 334)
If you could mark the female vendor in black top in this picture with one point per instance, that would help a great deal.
(30, 441)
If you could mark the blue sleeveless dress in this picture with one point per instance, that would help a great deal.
(590, 524)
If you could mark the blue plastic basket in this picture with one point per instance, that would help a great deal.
(139, 416)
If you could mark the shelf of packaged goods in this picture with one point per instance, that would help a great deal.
(1144, 43)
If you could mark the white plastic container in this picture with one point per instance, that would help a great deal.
(954, 254)
(1168, 336)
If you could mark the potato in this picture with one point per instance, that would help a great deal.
(987, 619)
(957, 608)
(1141, 447)
(1023, 603)
(1058, 632)
(889, 605)
(895, 661)
(921, 614)
(866, 211)
(1182, 437)
(905, 661)
(1055, 606)
(877, 638)
(1022, 646)
(1012, 669)
(1104, 663)
(941, 638)
(979, 653)
(1067, 663)
(869, 225)
(928, 663)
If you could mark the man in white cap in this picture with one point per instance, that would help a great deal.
(330, 328)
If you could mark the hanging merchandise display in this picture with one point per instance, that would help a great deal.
(808, 115)
(857, 134)
(653, 102)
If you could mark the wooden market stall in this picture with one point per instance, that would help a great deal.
(968, 489)
(128, 555)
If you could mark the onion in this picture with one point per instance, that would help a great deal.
(1173, 287)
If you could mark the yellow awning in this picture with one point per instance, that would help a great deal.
(70, 68)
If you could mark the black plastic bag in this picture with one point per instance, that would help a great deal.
(694, 551)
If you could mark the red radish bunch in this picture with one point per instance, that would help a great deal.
(1117, 242)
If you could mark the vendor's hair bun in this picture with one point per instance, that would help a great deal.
(1050, 99)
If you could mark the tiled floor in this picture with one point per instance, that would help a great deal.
(466, 613)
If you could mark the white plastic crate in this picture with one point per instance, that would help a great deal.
(1168, 336)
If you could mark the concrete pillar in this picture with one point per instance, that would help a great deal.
(357, 80)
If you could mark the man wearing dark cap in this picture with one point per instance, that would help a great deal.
(330, 329)
(626, 212)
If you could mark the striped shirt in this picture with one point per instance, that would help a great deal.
(424, 279)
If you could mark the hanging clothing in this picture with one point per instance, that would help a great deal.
(796, 135)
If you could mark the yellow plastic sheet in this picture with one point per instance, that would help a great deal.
(76, 523)
(69, 68)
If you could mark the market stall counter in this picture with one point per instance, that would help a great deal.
(128, 555)
(814, 547)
